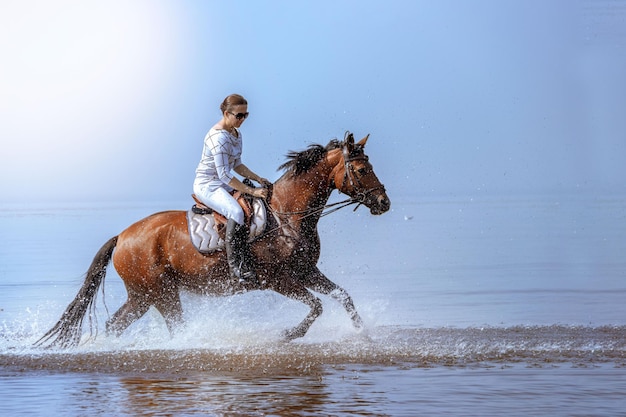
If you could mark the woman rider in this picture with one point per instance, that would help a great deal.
(214, 181)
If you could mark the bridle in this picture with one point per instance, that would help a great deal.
(349, 176)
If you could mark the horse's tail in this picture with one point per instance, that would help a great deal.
(68, 330)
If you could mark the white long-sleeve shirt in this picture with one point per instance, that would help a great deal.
(221, 153)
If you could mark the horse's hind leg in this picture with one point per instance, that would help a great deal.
(318, 282)
(132, 310)
(171, 309)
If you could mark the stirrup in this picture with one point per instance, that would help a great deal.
(248, 277)
(247, 274)
(244, 274)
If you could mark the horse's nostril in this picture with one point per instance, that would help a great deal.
(384, 203)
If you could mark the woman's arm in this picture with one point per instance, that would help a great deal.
(246, 172)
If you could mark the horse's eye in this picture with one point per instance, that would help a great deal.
(362, 171)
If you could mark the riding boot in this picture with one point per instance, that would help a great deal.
(238, 253)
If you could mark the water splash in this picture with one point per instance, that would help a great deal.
(383, 346)
(245, 332)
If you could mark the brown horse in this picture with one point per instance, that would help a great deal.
(156, 259)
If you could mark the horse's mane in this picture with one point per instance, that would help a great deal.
(300, 162)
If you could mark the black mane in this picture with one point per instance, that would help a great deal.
(300, 162)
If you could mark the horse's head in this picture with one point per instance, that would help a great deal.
(357, 179)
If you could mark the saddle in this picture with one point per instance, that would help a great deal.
(244, 201)
(207, 228)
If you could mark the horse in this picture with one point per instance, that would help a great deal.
(156, 259)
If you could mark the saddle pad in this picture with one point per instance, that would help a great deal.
(203, 229)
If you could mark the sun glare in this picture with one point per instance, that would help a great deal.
(72, 67)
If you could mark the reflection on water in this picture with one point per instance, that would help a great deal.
(543, 388)
(211, 394)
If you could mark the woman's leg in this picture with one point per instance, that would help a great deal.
(221, 201)
(237, 250)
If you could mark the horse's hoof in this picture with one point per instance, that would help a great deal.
(357, 322)
(291, 334)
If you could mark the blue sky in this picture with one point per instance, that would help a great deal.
(110, 101)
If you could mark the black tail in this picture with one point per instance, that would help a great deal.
(68, 330)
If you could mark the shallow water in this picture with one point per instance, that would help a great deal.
(491, 306)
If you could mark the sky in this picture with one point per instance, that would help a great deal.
(109, 101)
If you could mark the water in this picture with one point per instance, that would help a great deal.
(473, 306)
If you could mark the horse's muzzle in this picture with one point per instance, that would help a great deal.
(378, 204)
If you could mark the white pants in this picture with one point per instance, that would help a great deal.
(221, 201)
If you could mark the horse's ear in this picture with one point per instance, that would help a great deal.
(348, 142)
(363, 141)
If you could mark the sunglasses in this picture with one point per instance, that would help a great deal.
(240, 116)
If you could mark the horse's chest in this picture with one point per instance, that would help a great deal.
(306, 252)
(294, 249)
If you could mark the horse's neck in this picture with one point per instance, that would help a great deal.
(302, 198)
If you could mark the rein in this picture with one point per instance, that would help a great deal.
(316, 210)
(311, 211)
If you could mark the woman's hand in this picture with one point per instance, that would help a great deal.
(260, 193)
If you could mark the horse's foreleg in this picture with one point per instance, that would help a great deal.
(318, 282)
(300, 293)
(345, 300)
